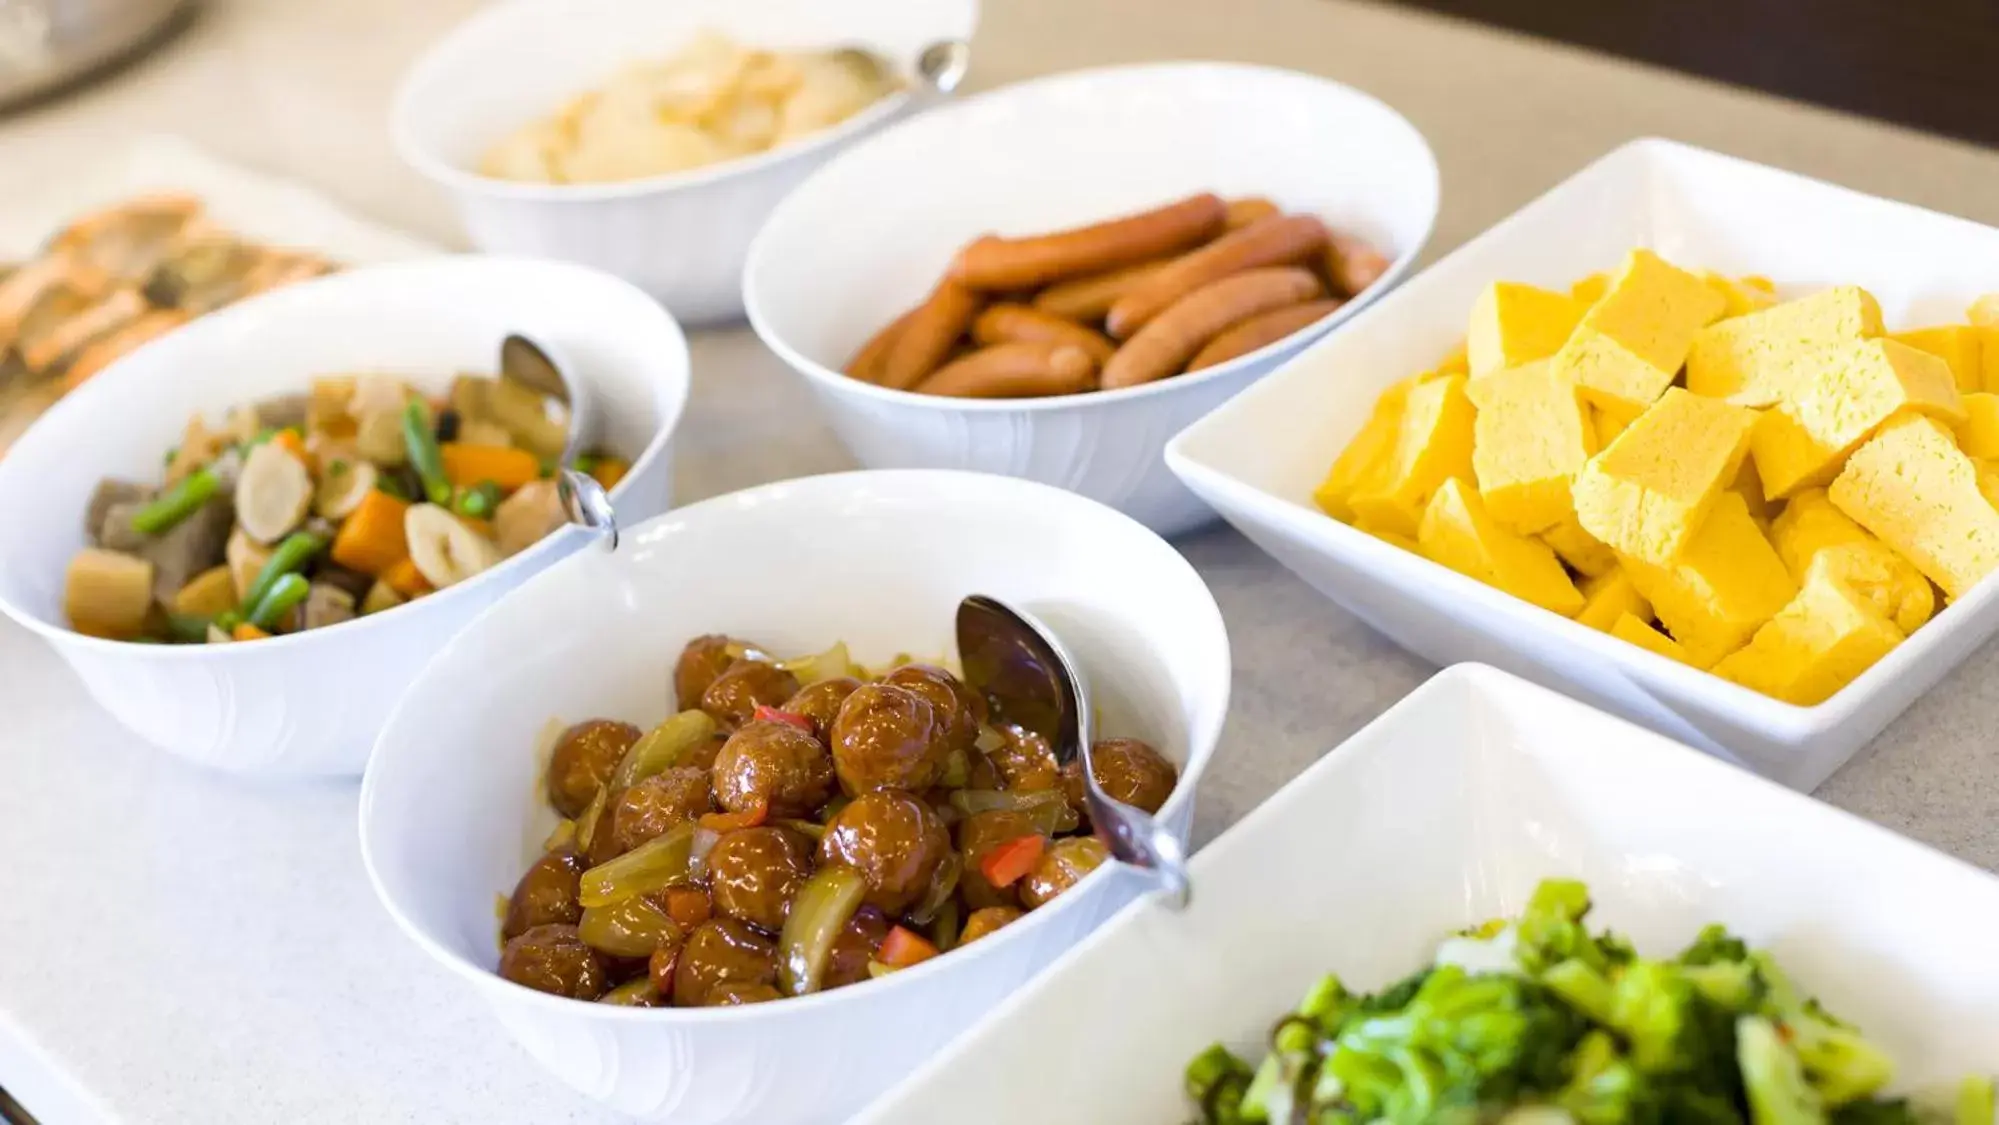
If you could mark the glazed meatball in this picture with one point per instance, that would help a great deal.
(1131, 771)
(1025, 760)
(820, 703)
(895, 840)
(553, 959)
(959, 706)
(546, 895)
(773, 766)
(721, 951)
(584, 757)
(854, 948)
(978, 835)
(753, 874)
(732, 699)
(888, 737)
(1062, 866)
(650, 807)
(704, 659)
(731, 993)
(985, 921)
(702, 757)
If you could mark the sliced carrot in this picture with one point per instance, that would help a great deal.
(247, 632)
(903, 948)
(1008, 863)
(404, 578)
(609, 471)
(371, 537)
(288, 440)
(688, 906)
(467, 465)
(730, 821)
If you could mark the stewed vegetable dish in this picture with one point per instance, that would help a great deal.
(308, 510)
(803, 825)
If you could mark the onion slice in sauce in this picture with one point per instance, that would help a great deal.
(822, 909)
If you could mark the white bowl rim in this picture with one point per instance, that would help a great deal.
(453, 175)
(914, 480)
(1731, 699)
(820, 373)
(106, 383)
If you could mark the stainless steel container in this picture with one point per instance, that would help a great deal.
(46, 43)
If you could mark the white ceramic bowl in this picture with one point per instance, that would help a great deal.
(872, 232)
(311, 703)
(451, 813)
(1441, 814)
(1258, 458)
(680, 237)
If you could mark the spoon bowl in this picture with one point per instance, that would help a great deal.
(584, 501)
(1023, 669)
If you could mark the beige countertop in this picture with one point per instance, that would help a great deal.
(301, 88)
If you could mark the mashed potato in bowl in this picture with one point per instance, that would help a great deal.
(714, 100)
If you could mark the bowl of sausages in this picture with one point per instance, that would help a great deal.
(1051, 279)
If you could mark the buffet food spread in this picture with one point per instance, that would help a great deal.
(1762, 478)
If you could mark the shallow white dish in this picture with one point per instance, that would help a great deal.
(258, 206)
(846, 254)
(680, 237)
(1445, 812)
(451, 812)
(311, 703)
(1258, 459)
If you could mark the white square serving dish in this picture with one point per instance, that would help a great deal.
(1442, 813)
(1257, 458)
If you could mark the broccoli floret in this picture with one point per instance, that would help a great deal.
(1715, 945)
(1877, 1111)
(1460, 1041)
(1773, 1078)
(1584, 988)
(1216, 1080)
(1551, 928)
(1977, 1102)
(1605, 1089)
(1840, 1064)
(1672, 1028)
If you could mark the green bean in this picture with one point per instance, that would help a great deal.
(477, 501)
(662, 747)
(292, 554)
(284, 595)
(390, 485)
(228, 619)
(187, 628)
(424, 455)
(177, 503)
(659, 862)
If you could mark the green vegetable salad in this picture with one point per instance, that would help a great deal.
(1537, 1022)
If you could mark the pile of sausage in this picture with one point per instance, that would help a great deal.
(1121, 303)
(783, 837)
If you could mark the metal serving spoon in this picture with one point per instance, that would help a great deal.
(583, 499)
(1020, 665)
(939, 67)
